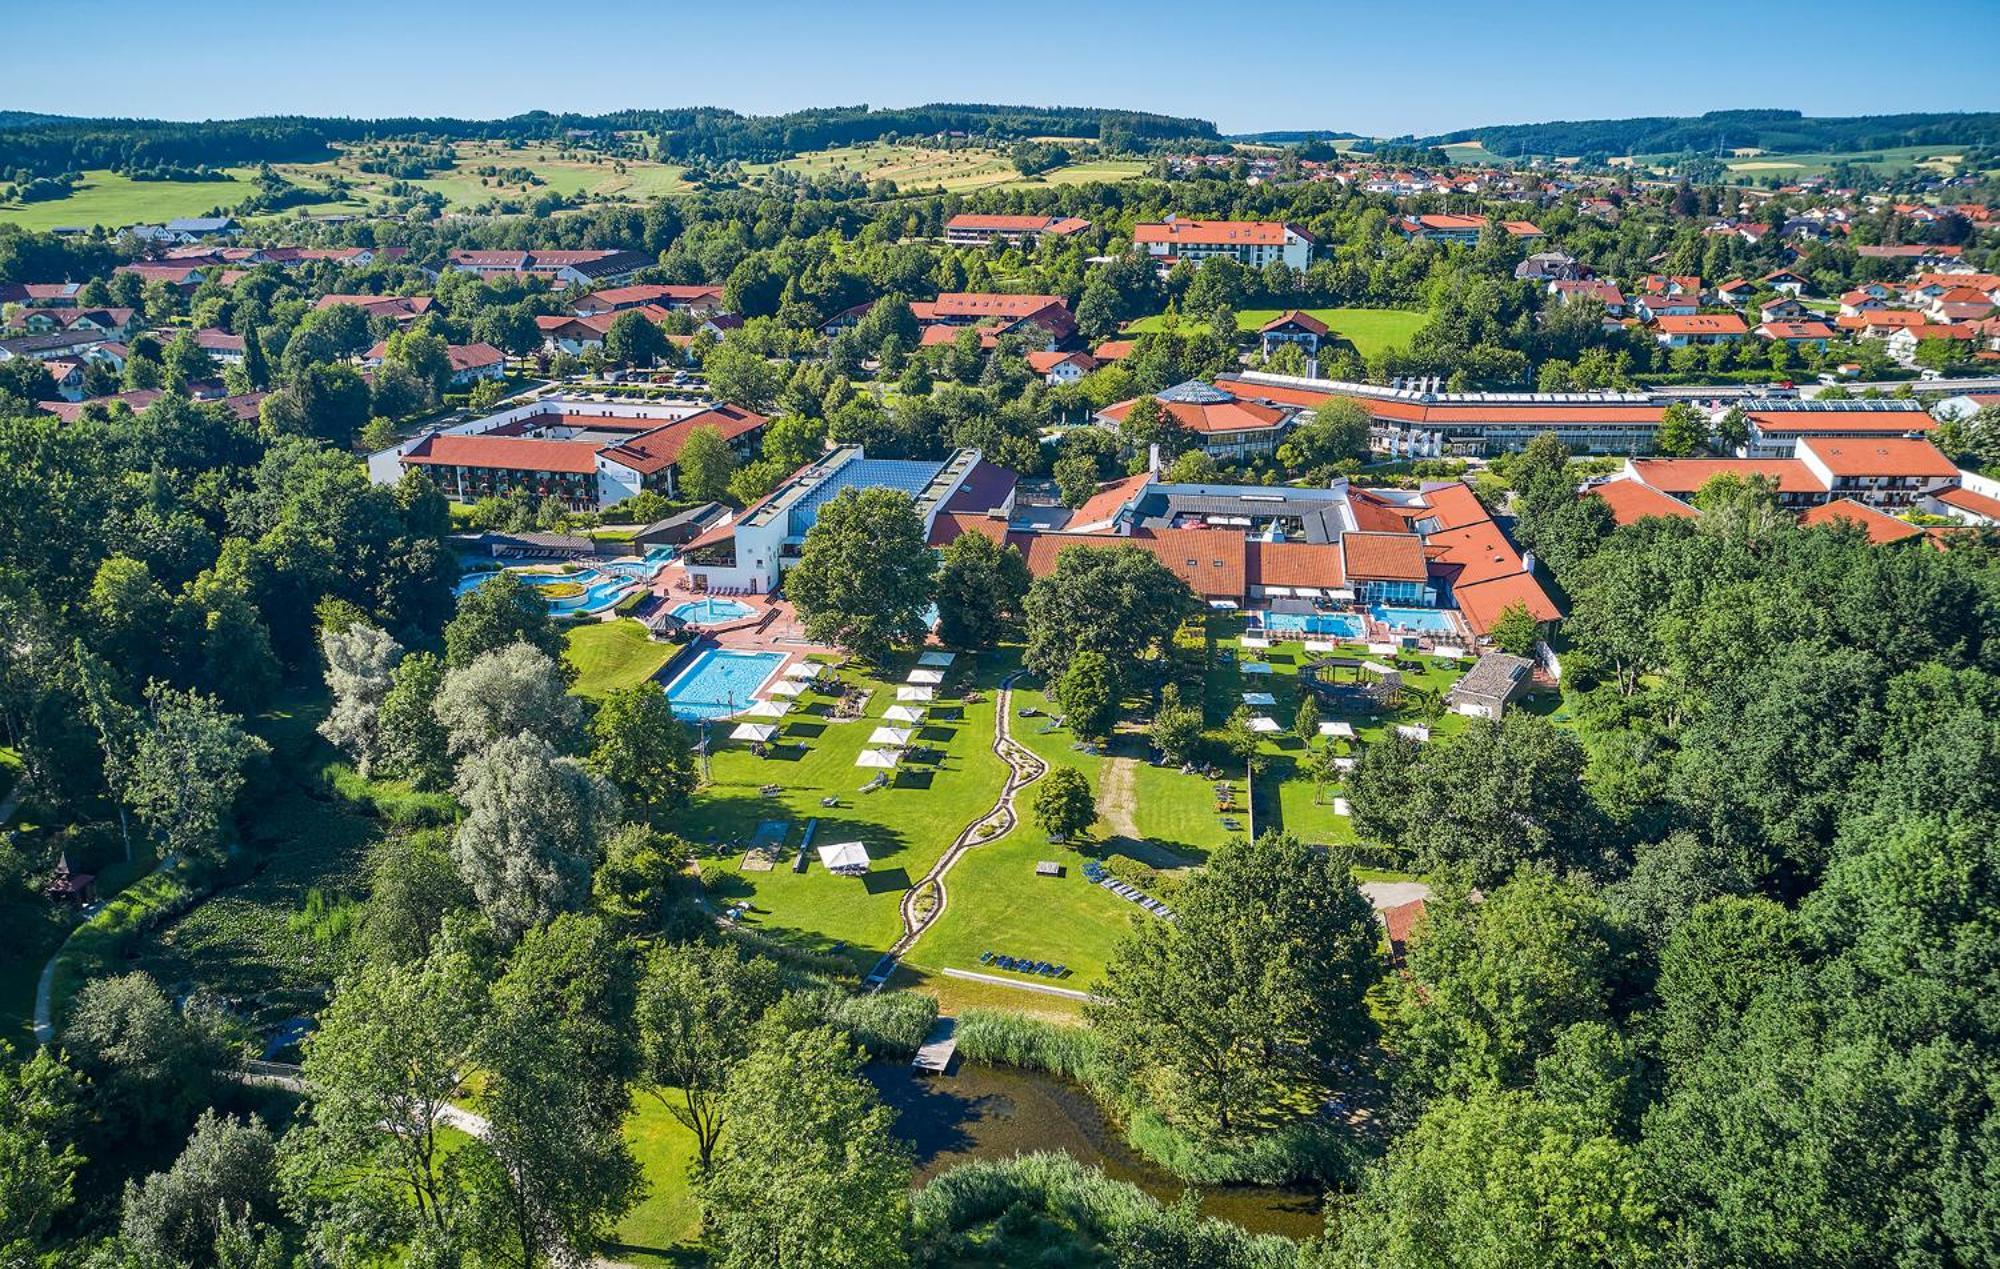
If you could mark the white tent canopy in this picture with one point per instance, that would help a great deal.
(1278, 592)
(1343, 730)
(844, 857)
(932, 677)
(1413, 731)
(1340, 807)
(1256, 641)
(1264, 726)
(907, 693)
(768, 709)
(1376, 667)
(902, 714)
(753, 731)
(895, 737)
(803, 670)
(1451, 650)
(1259, 698)
(883, 758)
(1382, 649)
(1256, 667)
(788, 687)
(937, 660)
(1318, 645)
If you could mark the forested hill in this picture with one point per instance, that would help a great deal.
(1786, 131)
(49, 146)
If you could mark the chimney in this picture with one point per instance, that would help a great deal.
(1153, 458)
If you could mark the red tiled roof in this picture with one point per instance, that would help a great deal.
(1878, 456)
(1964, 499)
(1114, 349)
(511, 453)
(1058, 225)
(1401, 921)
(1293, 317)
(1879, 527)
(988, 304)
(1700, 324)
(1211, 563)
(1223, 416)
(1630, 502)
(1314, 564)
(1383, 556)
(1256, 233)
(1108, 499)
(951, 525)
(1043, 362)
(1795, 330)
(1685, 476)
(1835, 422)
(660, 448)
(1483, 603)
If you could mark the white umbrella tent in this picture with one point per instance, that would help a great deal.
(788, 687)
(1259, 698)
(894, 737)
(937, 660)
(846, 858)
(902, 714)
(881, 758)
(907, 693)
(1264, 726)
(930, 678)
(803, 670)
(758, 732)
(768, 709)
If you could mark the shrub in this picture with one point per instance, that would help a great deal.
(888, 1024)
(1310, 1150)
(1101, 1212)
(1000, 1038)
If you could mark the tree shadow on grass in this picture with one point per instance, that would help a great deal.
(1153, 853)
(936, 734)
(886, 880)
(679, 1256)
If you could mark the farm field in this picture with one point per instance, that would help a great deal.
(1882, 162)
(917, 169)
(1370, 330)
(114, 201)
(462, 186)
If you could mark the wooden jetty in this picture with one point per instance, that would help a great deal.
(935, 1054)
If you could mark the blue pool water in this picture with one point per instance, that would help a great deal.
(1339, 625)
(1424, 620)
(604, 585)
(711, 612)
(721, 682)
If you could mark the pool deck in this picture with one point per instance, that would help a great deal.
(771, 626)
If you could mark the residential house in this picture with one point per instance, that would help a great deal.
(1061, 367)
(561, 268)
(1700, 328)
(1494, 682)
(401, 309)
(1816, 334)
(1293, 327)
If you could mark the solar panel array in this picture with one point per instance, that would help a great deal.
(903, 475)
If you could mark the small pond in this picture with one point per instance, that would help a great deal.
(985, 1112)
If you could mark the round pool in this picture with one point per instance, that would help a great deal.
(711, 611)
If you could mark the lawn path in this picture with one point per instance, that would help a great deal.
(1023, 769)
(1118, 797)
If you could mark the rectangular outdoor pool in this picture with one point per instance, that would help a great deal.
(1421, 620)
(721, 682)
(1338, 625)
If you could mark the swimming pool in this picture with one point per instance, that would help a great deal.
(603, 585)
(1422, 620)
(721, 682)
(711, 611)
(1341, 625)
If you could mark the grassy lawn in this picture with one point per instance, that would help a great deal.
(609, 655)
(1107, 170)
(905, 826)
(664, 1228)
(106, 198)
(1370, 330)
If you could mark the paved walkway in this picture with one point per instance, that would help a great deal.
(1389, 894)
(1044, 988)
(1023, 769)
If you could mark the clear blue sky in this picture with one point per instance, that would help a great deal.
(1376, 68)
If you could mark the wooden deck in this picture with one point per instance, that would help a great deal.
(935, 1054)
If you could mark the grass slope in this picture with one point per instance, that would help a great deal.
(1370, 330)
(610, 655)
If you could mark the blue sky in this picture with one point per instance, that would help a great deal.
(1378, 68)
